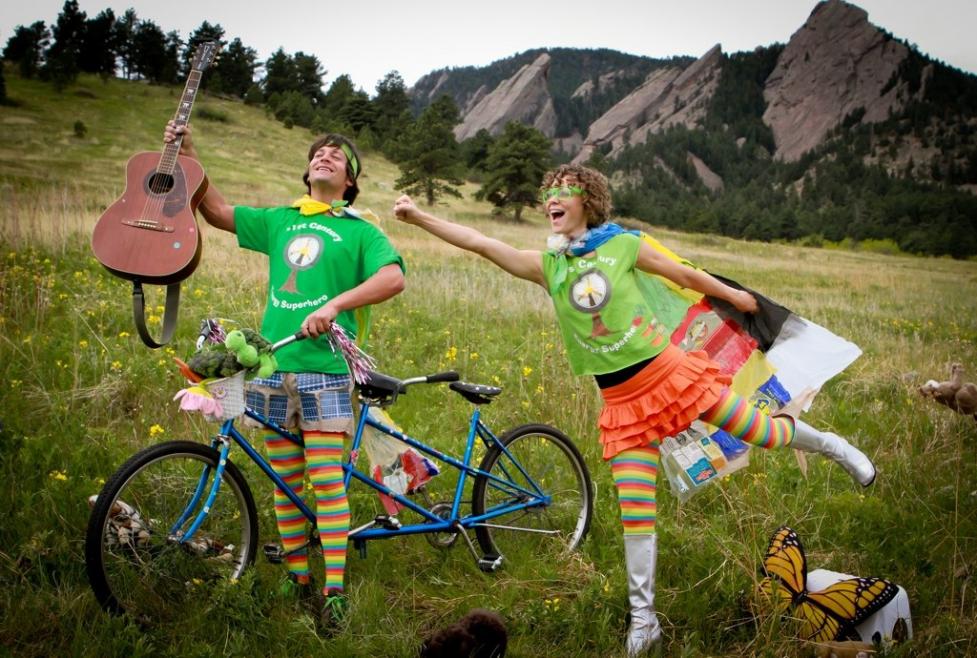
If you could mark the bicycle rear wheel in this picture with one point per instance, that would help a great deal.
(540, 465)
(134, 555)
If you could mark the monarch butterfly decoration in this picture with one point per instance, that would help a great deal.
(827, 615)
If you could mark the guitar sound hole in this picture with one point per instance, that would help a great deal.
(159, 183)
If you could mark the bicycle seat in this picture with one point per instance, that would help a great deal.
(381, 388)
(475, 393)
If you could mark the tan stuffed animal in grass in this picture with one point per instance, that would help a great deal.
(954, 393)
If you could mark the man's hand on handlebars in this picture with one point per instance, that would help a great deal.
(317, 322)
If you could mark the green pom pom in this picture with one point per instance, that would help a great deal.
(235, 341)
(248, 356)
(268, 365)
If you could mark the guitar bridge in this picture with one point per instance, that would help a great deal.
(148, 224)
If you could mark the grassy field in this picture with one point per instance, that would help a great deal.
(79, 393)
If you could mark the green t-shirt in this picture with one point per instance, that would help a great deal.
(606, 323)
(311, 259)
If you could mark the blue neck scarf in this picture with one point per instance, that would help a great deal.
(584, 244)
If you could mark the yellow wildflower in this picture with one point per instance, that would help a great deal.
(156, 430)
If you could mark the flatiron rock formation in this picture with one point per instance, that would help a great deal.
(667, 97)
(523, 97)
(836, 65)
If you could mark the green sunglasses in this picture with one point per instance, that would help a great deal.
(561, 192)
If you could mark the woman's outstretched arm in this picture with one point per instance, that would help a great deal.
(523, 263)
(654, 262)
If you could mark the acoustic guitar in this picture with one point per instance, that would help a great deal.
(150, 234)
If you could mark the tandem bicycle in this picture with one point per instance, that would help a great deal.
(180, 513)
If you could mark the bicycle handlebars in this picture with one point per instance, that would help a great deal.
(436, 378)
(288, 340)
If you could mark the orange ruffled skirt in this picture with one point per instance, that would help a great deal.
(661, 400)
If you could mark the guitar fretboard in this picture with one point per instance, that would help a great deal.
(167, 163)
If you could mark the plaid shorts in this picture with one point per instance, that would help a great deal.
(305, 400)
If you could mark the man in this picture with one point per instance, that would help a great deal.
(325, 263)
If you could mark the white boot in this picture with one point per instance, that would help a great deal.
(853, 460)
(640, 553)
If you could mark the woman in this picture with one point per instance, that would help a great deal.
(651, 389)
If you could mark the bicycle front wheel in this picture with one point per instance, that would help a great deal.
(543, 480)
(138, 558)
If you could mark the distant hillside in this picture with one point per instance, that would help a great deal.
(582, 83)
(844, 131)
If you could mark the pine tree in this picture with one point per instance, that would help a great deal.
(516, 163)
(206, 32)
(97, 54)
(476, 150)
(171, 66)
(340, 93)
(392, 107)
(429, 156)
(147, 56)
(61, 58)
(308, 77)
(27, 46)
(122, 34)
(280, 75)
(236, 66)
(359, 112)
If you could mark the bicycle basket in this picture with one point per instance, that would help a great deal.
(217, 399)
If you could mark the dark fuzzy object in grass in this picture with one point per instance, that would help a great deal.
(479, 634)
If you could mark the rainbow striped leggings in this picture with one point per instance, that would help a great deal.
(635, 471)
(322, 458)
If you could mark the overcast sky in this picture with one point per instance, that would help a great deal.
(369, 38)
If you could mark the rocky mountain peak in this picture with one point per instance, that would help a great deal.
(670, 95)
(836, 64)
(523, 97)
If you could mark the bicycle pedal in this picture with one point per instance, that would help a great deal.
(388, 522)
(490, 563)
(273, 553)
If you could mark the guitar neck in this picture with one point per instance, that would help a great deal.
(167, 163)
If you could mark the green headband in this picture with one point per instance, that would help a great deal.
(354, 164)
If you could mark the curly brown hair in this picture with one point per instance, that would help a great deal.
(596, 201)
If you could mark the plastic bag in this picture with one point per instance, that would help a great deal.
(393, 463)
(700, 456)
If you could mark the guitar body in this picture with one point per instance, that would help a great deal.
(150, 233)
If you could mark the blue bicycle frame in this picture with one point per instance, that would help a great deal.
(433, 523)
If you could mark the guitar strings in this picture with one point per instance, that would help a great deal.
(152, 209)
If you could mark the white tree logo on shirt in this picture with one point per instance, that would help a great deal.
(589, 293)
(301, 253)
